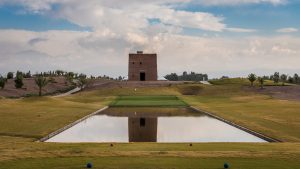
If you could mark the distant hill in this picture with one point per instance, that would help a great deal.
(56, 85)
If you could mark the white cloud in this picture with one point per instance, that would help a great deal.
(237, 2)
(120, 27)
(106, 53)
(123, 17)
(287, 30)
(241, 30)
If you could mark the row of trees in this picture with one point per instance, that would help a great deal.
(10, 75)
(18, 80)
(55, 73)
(276, 78)
(187, 77)
(42, 79)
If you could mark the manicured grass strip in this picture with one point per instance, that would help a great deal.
(37, 117)
(148, 98)
(148, 101)
(151, 163)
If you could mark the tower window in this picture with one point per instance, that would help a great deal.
(133, 63)
(140, 63)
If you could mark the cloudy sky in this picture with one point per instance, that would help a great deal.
(218, 37)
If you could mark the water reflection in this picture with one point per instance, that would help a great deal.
(142, 129)
(165, 126)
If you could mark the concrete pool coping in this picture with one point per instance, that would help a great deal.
(71, 125)
(257, 134)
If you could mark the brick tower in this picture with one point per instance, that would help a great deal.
(142, 67)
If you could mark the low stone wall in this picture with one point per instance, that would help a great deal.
(269, 139)
(71, 125)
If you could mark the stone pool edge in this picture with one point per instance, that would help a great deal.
(70, 125)
(257, 134)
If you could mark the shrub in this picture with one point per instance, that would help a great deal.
(2, 82)
(19, 81)
(10, 75)
(52, 80)
(261, 81)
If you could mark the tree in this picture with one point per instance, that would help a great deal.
(120, 78)
(2, 82)
(19, 81)
(28, 75)
(41, 82)
(251, 78)
(276, 77)
(59, 72)
(193, 76)
(290, 79)
(205, 77)
(261, 81)
(283, 78)
(172, 77)
(82, 81)
(19, 73)
(10, 75)
(71, 74)
(296, 78)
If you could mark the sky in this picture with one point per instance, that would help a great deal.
(218, 37)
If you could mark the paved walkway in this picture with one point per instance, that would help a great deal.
(205, 82)
(77, 89)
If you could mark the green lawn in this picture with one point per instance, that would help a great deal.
(152, 162)
(275, 118)
(23, 121)
(36, 117)
(23, 153)
(148, 101)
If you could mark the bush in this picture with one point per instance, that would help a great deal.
(19, 81)
(2, 82)
(52, 80)
(28, 75)
(10, 75)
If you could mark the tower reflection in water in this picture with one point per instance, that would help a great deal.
(142, 129)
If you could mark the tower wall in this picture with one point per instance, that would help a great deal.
(140, 65)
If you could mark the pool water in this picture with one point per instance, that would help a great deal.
(164, 125)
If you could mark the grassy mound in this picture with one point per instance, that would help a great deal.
(245, 81)
(230, 81)
(190, 89)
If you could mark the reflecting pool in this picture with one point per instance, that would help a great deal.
(153, 125)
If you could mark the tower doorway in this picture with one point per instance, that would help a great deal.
(142, 76)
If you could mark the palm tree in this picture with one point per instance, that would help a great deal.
(251, 78)
(41, 82)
